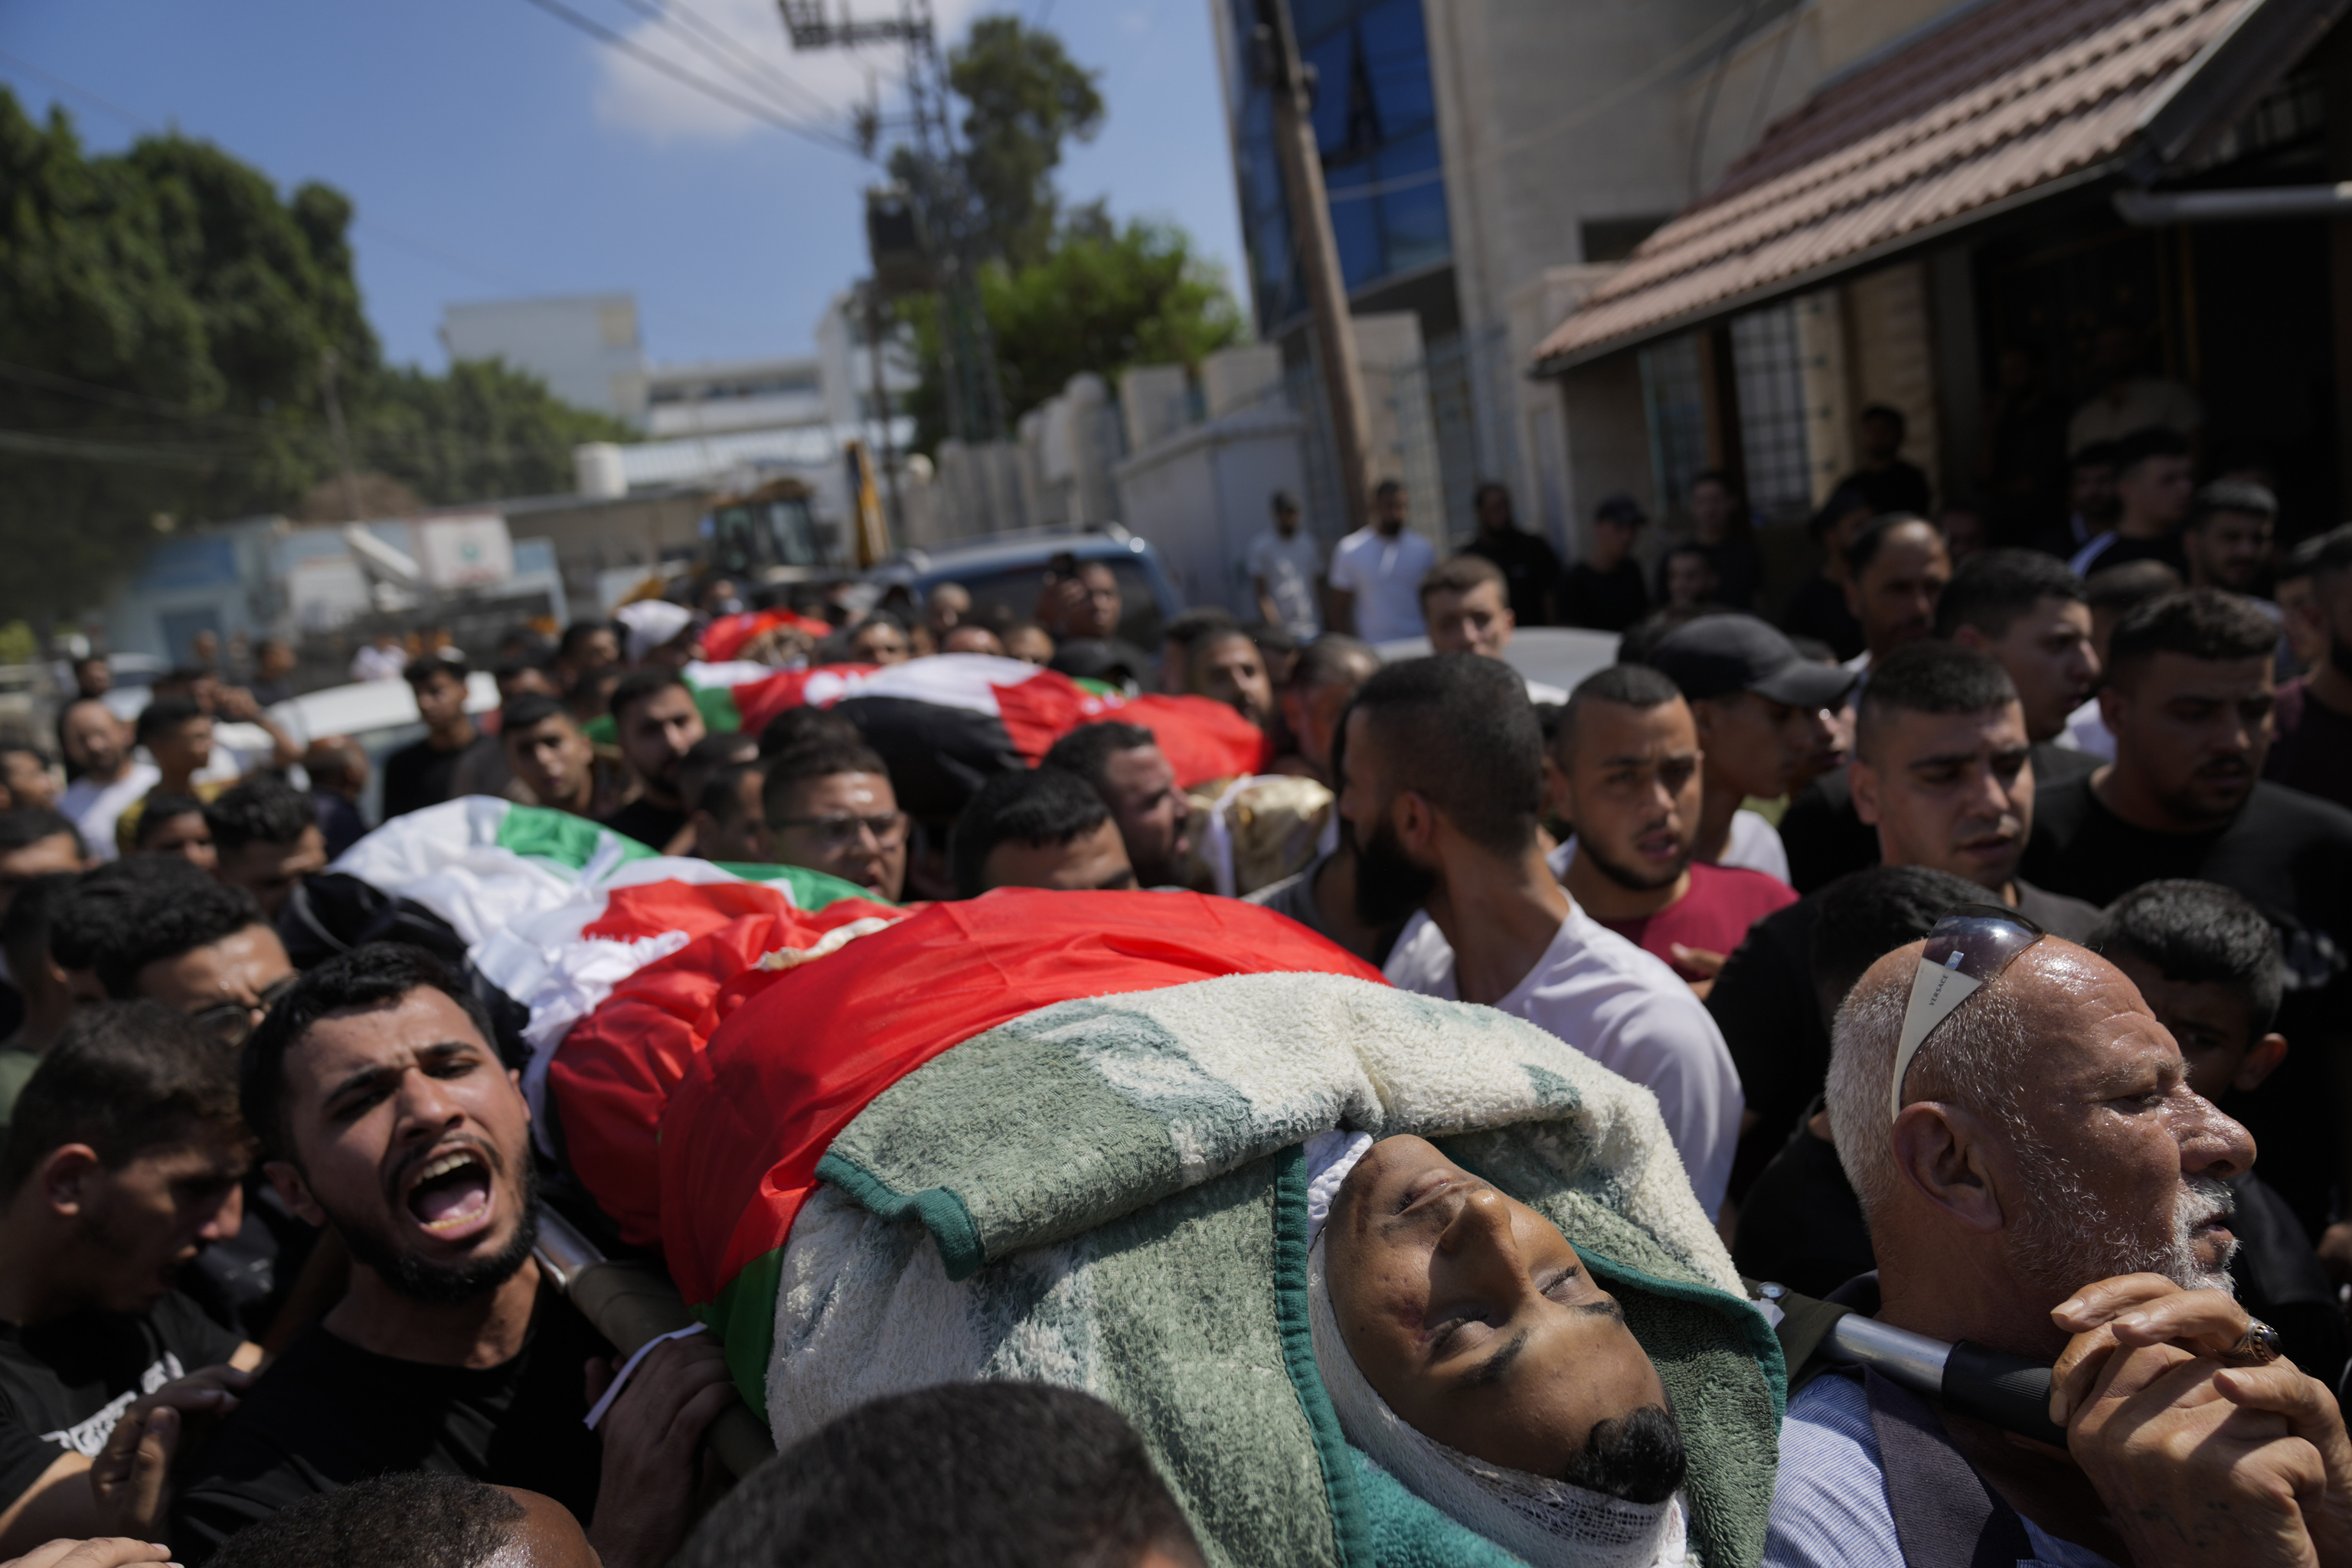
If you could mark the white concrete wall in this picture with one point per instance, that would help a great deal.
(1200, 497)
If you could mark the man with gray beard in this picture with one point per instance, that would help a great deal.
(2040, 1179)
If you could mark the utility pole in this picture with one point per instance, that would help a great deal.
(1318, 257)
(873, 301)
(327, 362)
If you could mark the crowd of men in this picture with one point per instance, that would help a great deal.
(267, 1189)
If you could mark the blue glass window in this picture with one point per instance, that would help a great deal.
(1375, 121)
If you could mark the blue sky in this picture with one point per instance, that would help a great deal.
(495, 152)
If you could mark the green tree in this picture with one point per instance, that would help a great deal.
(1025, 96)
(163, 317)
(484, 429)
(1103, 300)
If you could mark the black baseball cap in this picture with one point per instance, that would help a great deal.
(1717, 655)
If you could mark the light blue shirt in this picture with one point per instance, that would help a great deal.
(1829, 1505)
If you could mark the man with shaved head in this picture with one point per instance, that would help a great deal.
(2040, 1179)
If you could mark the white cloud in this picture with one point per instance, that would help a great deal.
(636, 97)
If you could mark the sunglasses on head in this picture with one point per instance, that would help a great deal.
(1970, 946)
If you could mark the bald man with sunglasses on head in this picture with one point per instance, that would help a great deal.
(2041, 1179)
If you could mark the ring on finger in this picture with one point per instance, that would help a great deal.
(2258, 1346)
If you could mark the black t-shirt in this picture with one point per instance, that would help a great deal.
(1826, 838)
(327, 1414)
(1898, 487)
(2313, 749)
(1529, 568)
(651, 826)
(1605, 601)
(64, 1385)
(2290, 855)
(417, 775)
(1801, 1225)
(1818, 610)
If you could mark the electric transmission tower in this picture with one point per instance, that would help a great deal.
(938, 188)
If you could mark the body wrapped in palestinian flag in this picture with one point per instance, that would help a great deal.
(1057, 1136)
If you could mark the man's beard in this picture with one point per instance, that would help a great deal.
(2067, 1237)
(439, 1284)
(1631, 880)
(1389, 887)
(1638, 1458)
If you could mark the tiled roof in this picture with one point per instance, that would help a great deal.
(2010, 97)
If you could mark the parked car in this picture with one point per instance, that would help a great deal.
(1005, 571)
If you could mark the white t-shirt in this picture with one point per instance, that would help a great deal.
(1755, 845)
(2086, 730)
(94, 806)
(1384, 574)
(1288, 568)
(1625, 1010)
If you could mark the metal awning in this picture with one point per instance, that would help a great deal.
(2007, 102)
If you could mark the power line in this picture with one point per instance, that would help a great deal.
(701, 84)
(715, 43)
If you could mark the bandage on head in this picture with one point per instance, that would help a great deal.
(1969, 947)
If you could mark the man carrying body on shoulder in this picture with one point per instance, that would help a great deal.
(122, 1164)
(2189, 697)
(385, 1114)
(1625, 774)
(1943, 775)
(654, 713)
(830, 806)
(2040, 1179)
(1604, 590)
(1123, 764)
(1226, 665)
(2155, 483)
(1375, 573)
(109, 778)
(1441, 788)
(2313, 749)
(2207, 964)
(266, 840)
(1287, 572)
(1762, 710)
(1530, 571)
(551, 757)
(1038, 828)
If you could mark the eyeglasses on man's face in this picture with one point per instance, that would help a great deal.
(831, 832)
(231, 1022)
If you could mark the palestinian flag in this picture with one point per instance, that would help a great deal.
(725, 637)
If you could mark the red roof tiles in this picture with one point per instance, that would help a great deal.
(2012, 97)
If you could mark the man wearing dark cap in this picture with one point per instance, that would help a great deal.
(1604, 591)
(1286, 574)
(1762, 709)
